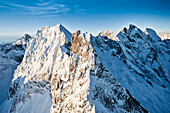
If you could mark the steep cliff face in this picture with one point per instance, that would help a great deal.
(11, 55)
(72, 82)
(64, 72)
(103, 92)
(45, 55)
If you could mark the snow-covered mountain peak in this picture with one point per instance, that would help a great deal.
(22, 41)
(85, 37)
(26, 36)
(61, 28)
(43, 48)
(49, 32)
(153, 35)
(131, 27)
(147, 58)
(164, 35)
(130, 30)
(135, 41)
(77, 33)
(132, 34)
(105, 33)
(148, 34)
(110, 35)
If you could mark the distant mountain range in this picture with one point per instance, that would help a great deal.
(164, 35)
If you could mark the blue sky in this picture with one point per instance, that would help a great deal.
(18, 17)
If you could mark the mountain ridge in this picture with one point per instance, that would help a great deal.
(80, 72)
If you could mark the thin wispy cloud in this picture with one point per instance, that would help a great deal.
(80, 11)
(3, 6)
(44, 3)
(40, 7)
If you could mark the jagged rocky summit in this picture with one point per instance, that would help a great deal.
(64, 72)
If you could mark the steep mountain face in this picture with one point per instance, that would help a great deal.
(105, 93)
(64, 72)
(140, 63)
(11, 55)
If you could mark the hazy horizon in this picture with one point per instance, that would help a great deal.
(11, 38)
